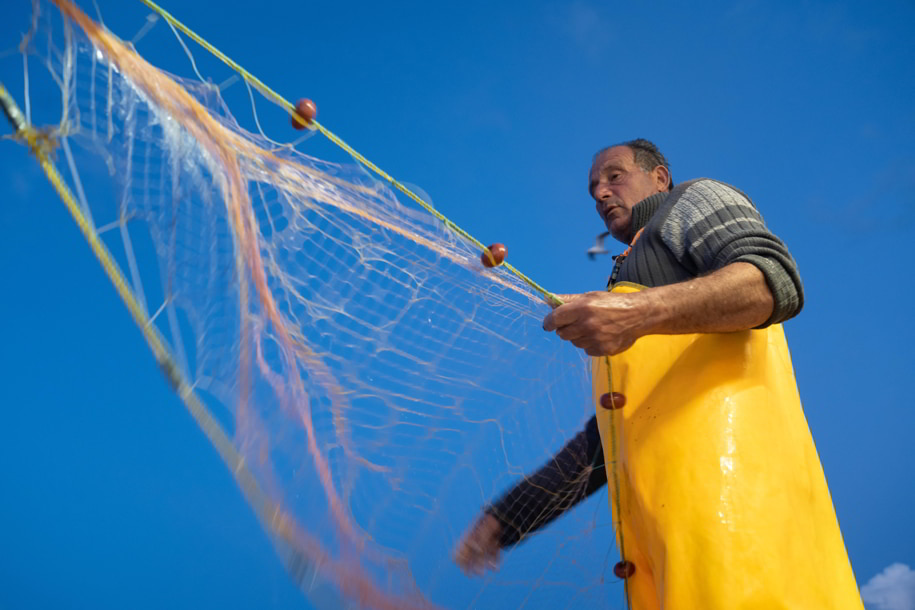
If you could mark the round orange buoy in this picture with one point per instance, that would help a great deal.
(305, 110)
(613, 400)
(494, 255)
(624, 569)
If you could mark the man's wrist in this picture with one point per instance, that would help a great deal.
(651, 312)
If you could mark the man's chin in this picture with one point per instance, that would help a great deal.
(619, 233)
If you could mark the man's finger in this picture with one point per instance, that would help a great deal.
(573, 333)
(559, 317)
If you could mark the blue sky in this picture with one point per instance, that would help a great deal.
(113, 497)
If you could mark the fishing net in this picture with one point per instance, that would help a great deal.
(368, 382)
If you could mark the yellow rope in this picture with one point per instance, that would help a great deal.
(276, 97)
(270, 514)
(615, 477)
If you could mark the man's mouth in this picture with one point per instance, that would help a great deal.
(607, 210)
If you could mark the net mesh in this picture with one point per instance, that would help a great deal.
(379, 385)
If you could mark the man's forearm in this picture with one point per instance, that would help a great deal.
(733, 298)
(566, 479)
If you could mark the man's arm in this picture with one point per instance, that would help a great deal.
(736, 297)
(566, 479)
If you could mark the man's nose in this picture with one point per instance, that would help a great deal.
(603, 193)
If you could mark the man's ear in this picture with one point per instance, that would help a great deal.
(661, 177)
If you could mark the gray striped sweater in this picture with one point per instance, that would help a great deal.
(697, 228)
(704, 225)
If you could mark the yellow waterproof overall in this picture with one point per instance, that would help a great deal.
(723, 502)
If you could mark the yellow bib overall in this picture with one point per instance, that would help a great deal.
(723, 504)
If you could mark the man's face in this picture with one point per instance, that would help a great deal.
(616, 183)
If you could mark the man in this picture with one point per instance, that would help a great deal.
(707, 264)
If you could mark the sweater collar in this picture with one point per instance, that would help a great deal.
(644, 210)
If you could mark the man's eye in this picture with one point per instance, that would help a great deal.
(615, 176)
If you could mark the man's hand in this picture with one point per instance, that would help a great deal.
(601, 323)
(479, 548)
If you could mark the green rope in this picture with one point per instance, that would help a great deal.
(272, 515)
(548, 296)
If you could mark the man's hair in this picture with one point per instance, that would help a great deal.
(647, 156)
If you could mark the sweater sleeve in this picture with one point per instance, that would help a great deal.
(569, 477)
(713, 225)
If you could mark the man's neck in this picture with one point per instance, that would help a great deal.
(645, 209)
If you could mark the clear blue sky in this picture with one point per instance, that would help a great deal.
(112, 497)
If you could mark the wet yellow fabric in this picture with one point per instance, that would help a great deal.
(723, 501)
